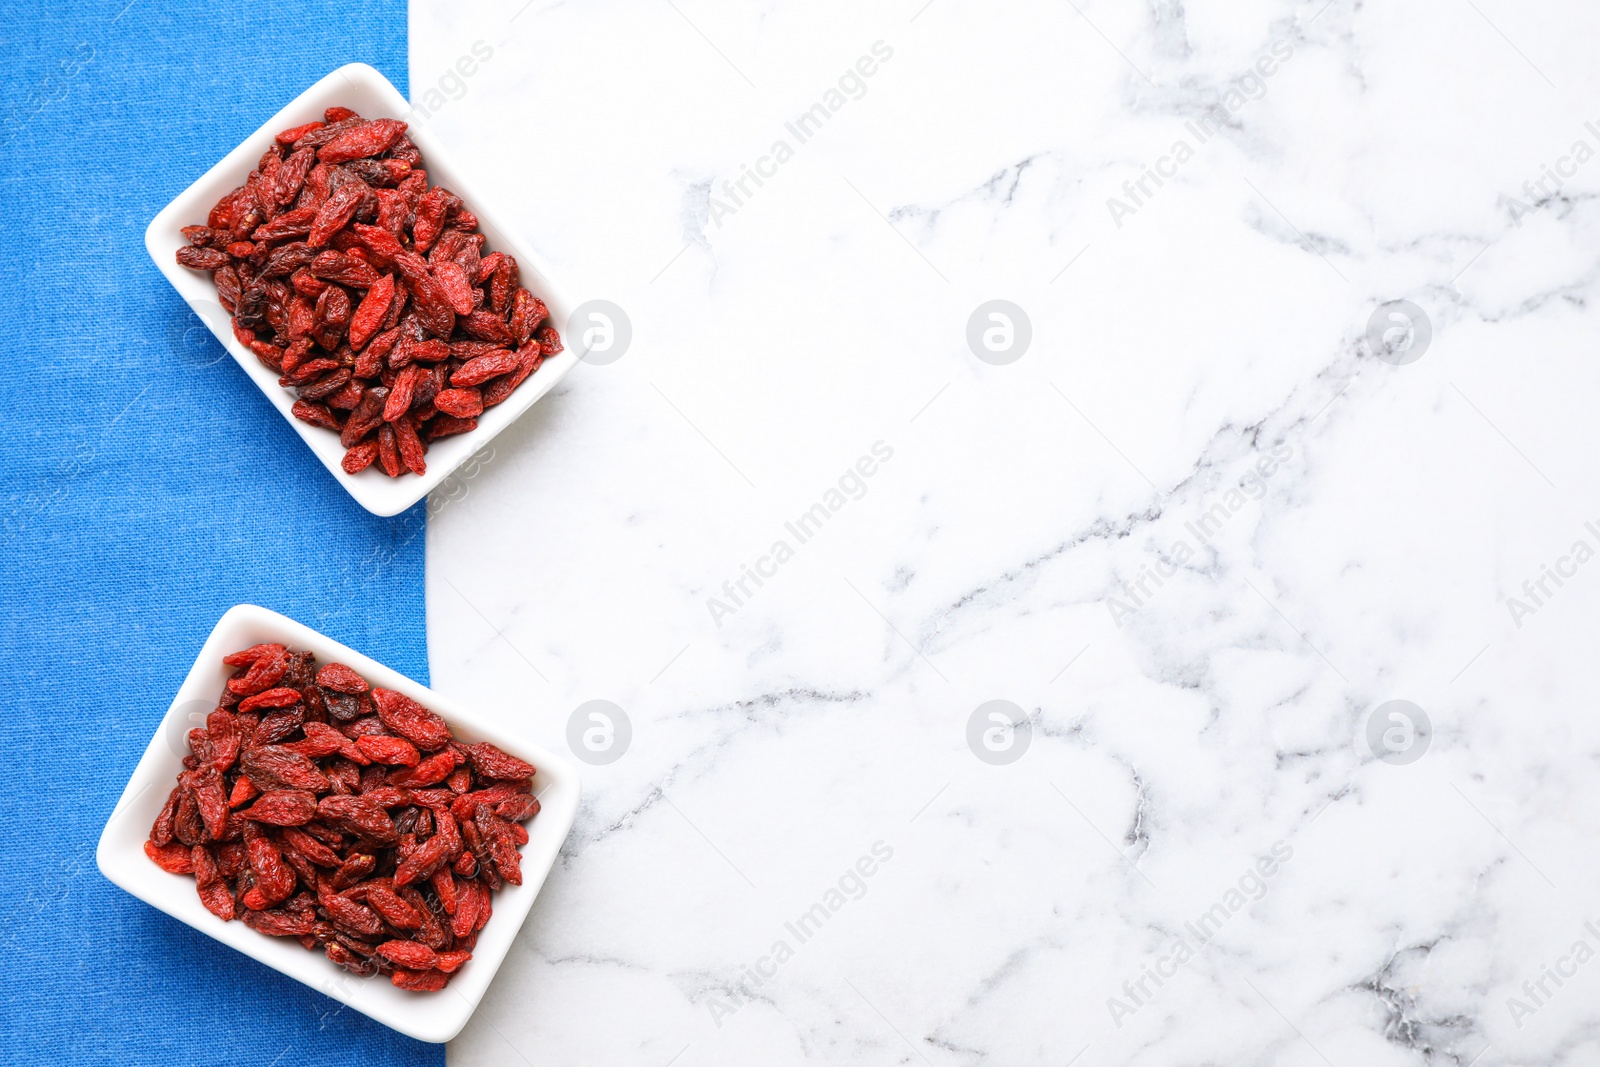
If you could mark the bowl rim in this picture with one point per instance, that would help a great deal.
(358, 83)
(433, 1017)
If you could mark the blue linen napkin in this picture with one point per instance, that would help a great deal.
(146, 486)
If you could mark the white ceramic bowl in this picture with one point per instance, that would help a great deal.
(436, 1016)
(362, 88)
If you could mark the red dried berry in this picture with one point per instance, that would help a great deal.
(430, 771)
(223, 729)
(444, 887)
(453, 281)
(210, 800)
(276, 767)
(292, 175)
(518, 809)
(423, 862)
(419, 981)
(460, 403)
(362, 141)
(367, 416)
(161, 831)
(448, 425)
(395, 910)
(202, 258)
(294, 133)
(496, 835)
(480, 370)
(280, 923)
(336, 212)
(450, 962)
(283, 807)
(341, 679)
(410, 445)
(392, 751)
(309, 847)
(264, 673)
(491, 762)
(411, 720)
(429, 221)
(409, 954)
(466, 805)
(244, 791)
(272, 698)
(208, 882)
(323, 740)
(389, 452)
(275, 879)
(359, 457)
(368, 318)
(357, 917)
(405, 385)
(360, 816)
(172, 858)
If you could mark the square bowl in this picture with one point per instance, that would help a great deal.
(363, 89)
(436, 1016)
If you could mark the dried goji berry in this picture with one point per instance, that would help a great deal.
(462, 403)
(208, 882)
(496, 836)
(276, 767)
(279, 725)
(336, 212)
(161, 832)
(411, 720)
(244, 791)
(202, 258)
(362, 141)
(280, 697)
(369, 316)
(429, 221)
(283, 807)
(410, 445)
(448, 425)
(358, 918)
(430, 771)
(419, 981)
(491, 762)
(480, 370)
(423, 862)
(264, 673)
(359, 816)
(294, 133)
(277, 923)
(463, 921)
(399, 402)
(486, 326)
(453, 281)
(338, 677)
(393, 751)
(173, 858)
(518, 809)
(389, 452)
(395, 910)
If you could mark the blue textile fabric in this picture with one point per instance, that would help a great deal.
(146, 486)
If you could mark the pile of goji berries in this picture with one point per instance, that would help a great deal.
(313, 806)
(319, 258)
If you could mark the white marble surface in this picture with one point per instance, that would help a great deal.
(1223, 321)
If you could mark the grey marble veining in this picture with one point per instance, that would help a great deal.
(1219, 514)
